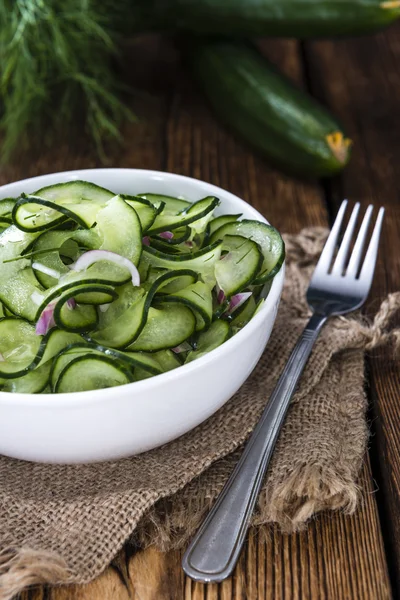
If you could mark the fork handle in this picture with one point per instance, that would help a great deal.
(215, 549)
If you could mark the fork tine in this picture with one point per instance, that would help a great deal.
(367, 270)
(330, 245)
(356, 255)
(343, 252)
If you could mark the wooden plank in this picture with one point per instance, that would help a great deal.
(337, 556)
(363, 87)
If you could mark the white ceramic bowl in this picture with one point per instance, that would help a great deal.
(121, 421)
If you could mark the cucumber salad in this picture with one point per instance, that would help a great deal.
(99, 290)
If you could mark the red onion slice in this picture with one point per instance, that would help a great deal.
(167, 235)
(220, 296)
(92, 256)
(46, 319)
(71, 303)
(146, 240)
(236, 301)
(184, 347)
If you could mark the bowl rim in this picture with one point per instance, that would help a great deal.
(140, 387)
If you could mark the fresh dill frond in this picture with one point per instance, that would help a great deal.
(56, 59)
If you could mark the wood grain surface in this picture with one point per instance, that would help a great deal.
(338, 556)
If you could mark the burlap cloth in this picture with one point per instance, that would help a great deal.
(64, 524)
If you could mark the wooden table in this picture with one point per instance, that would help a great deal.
(337, 557)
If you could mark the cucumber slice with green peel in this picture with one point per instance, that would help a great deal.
(16, 294)
(218, 222)
(118, 226)
(203, 261)
(75, 191)
(140, 374)
(196, 211)
(98, 295)
(77, 351)
(180, 235)
(68, 354)
(34, 382)
(46, 251)
(91, 373)
(33, 213)
(119, 324)
(102, 273)
(13, 243)
(145, 210)
(166, 327)
(243, 313)
(6, 207)
(169, 204)
(121, 332)
(83, 317)
(198, 298)
(123, 322)
(132, 360)
(162, 246)
(19, 347)
(53, 342)
(240, 266)
(185, 278)
(208, 340)
(52, 205)
(167, 360)
(267, 237)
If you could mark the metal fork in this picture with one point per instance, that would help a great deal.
(215, 549)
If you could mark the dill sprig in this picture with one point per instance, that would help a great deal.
(56, 57)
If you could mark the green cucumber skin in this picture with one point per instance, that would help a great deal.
(285, 124)
(281, 18)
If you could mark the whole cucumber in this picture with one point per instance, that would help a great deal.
(249, 18)
(287, 125)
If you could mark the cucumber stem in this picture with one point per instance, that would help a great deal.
(388, 4)
(339, 146)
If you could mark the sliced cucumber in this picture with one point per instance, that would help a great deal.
(240, 266)
(243, 313)
(218, 222)
(216, 335)
(124, 320)
(180, 236)
(53, 342)
(203, 261)
(166, 327)
(118, 226)
(167, 359)
(46, 251)
(145, 210)
(18, 292)
(169, 205)
(196, 211)
(198, 298)
(6, 207)
(19, 346)
(102, 273)
(266, 236)
(91, 373)
(34, 382)
(52, 205)
(83, 317)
